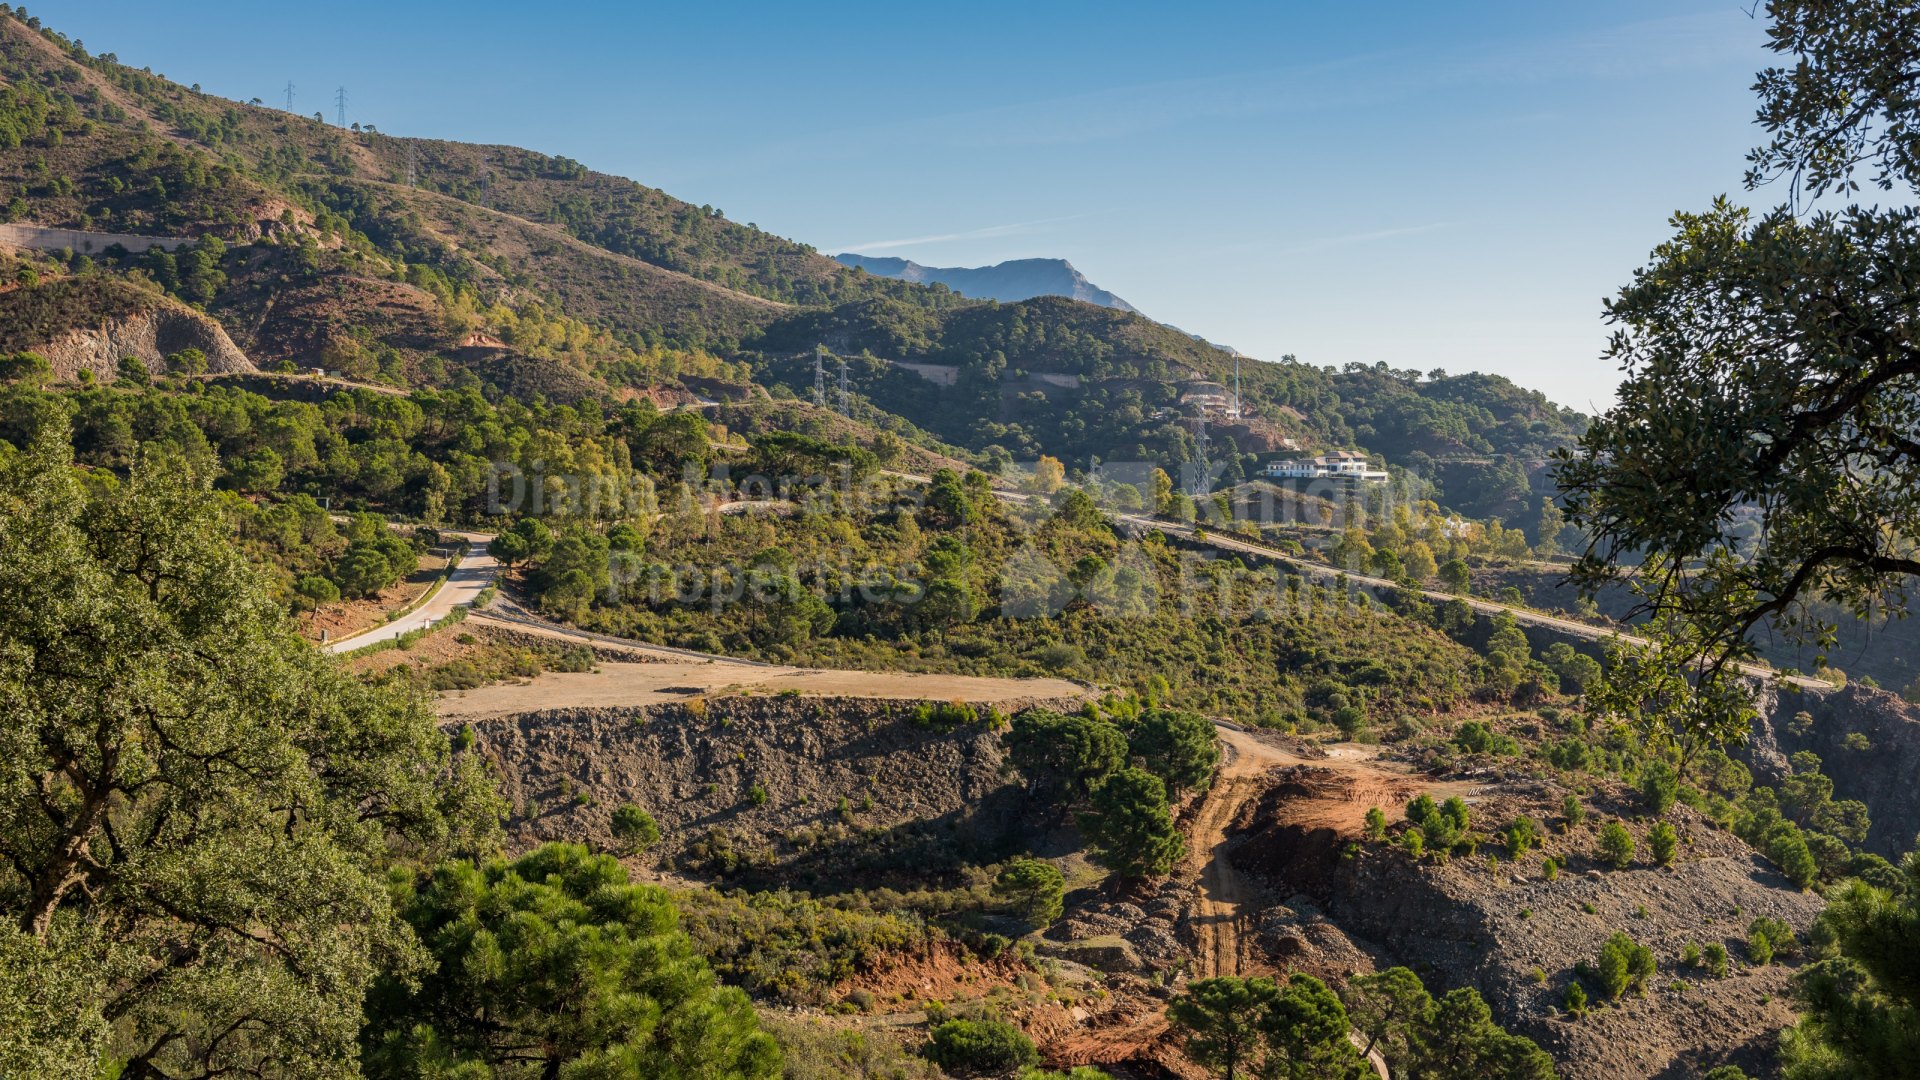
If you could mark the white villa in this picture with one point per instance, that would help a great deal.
(1349, 465)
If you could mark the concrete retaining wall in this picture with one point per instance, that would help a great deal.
(42, 238)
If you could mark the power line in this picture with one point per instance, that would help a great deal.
(1201, 484)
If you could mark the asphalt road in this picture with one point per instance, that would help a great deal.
(470, 578)
(477, 571)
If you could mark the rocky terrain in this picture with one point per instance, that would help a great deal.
(1868, 741)
(1508, 931)
(834, 792)
(816, 787)
(91, 324)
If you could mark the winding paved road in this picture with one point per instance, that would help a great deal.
(1521, 615)
(469, 579)
(477, 571)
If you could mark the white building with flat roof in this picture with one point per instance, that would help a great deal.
(1349, 465)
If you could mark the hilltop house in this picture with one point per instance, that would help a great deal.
(1348, 465)
(1208, 397)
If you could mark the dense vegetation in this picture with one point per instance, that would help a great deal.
(1261, 1027)
(1472, 435)
(223, 854)
(604, 275)
(445, 456)
(950, 578)
(197, 807)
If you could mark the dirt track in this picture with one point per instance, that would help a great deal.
(1339, 790)
(1222, 893)
(620, 684)
(1336, 792)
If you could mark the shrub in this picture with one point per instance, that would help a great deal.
(1414, 842)
(1664, 842)
(1715, 957)
(1571, 754)
(1550, 868)
(1576, 1000)
(1690, 954)
(1446, 825)
(1788, 849)
(757, 795)
(1476, 737)
(1376, 824)
(1032, 888)
(1616, 845)
(945, 716)
(793, 948)
(976, 1047)
(635, 828)
(1660, 786)
(1767, 938)
(1571, 810)
(1522, 836)
(1623, 965)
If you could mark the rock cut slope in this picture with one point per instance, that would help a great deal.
(91, 322)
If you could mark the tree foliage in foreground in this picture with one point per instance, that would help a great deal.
(1762, 454)
(555, 965)
(1257, 1027)
(1300, 1029)
(195, 806)
(1861, 999)
(1450, 1038)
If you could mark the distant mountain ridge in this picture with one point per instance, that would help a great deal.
(1008, 282)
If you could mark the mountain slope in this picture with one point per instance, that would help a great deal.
(129, 151)
(1015, 279)
(389, 259)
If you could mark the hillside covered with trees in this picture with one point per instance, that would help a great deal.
(388, 258)
(682, 723)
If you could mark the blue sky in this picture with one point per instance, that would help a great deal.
(1433, 185)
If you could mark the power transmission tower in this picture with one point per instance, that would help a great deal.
(846, 398)
(289, 95)
(412, 170)
(1236, 388)
(819, 380)
(1201, 484)
(340, 102)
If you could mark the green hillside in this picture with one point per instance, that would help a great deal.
(390, 259)
(1473, 435)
